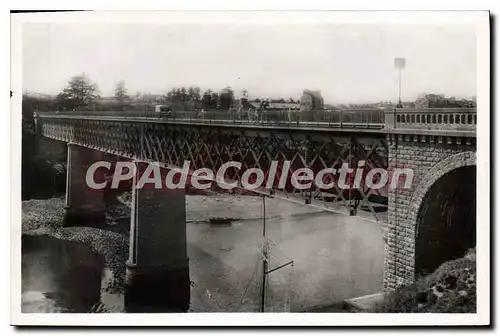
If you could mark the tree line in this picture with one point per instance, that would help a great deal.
(81, 93)
(190, 98)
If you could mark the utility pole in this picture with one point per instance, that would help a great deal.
(265, 256)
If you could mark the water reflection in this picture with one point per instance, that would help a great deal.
(59, 276)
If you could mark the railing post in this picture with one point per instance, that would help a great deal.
(390, 118)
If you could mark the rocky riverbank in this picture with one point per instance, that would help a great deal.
(45, 217)
(449, 289)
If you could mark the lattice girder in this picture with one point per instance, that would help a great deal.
(207, 146)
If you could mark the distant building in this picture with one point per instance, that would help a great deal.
(422, 102)
(283, 106)
(245, 104)
(311, 100)
(440, 101)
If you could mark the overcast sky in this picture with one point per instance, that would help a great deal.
(348, 63)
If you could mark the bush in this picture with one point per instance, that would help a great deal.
(449, 289)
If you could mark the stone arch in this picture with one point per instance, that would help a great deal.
(443, 167)
(458, 164)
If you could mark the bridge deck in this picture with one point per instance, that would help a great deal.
(312, 126)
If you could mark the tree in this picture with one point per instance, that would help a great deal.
(121, 94)
(169, 96)
(264, 104)
(37, 173)
(226, 98)
(79, 93)
(214, 100)
(206, 99)
(183, 94)
(193, 94)
(436, 100)
(197, 94)
(244, 97)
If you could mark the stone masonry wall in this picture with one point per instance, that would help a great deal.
(430, 157)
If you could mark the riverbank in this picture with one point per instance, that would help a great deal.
(45, 218)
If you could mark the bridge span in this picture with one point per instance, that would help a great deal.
(425, 225)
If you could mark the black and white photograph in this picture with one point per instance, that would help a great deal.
(181, 163)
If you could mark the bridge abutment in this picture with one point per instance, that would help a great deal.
(85, 206)
(430, 158)
(158, 268)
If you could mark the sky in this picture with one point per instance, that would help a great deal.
(347, 63)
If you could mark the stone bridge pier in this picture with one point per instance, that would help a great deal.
(84, 205)
(435, 220)
(157, 276)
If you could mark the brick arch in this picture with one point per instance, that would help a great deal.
(443, 167)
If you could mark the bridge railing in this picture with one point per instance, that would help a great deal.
(463, 119)
(359, 118)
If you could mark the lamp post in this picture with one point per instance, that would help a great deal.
(399, 63)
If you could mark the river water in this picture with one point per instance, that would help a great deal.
(64, 277)
(321, 258)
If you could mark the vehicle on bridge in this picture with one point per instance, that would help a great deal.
(163, 111)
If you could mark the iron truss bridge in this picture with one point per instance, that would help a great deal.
(318, 140)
